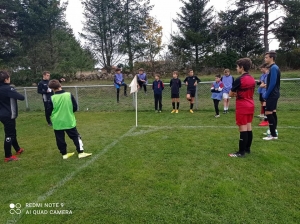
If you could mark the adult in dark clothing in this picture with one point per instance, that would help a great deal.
(46, 92)
(8, 115)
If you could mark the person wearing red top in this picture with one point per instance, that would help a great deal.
(243, 89)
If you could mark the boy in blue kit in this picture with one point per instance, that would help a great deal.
(261, 90)
(227, 81)
(158, 87)
(175, 85)
(118, 82)
(142, 79)
(8, 115)
(191, 81)
(217, 93)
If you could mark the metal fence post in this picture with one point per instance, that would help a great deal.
(26, 99)
(76, 95)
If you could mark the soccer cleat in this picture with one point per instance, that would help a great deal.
(12, 158)
(224, 112)
(227, 111)
(68, 155)
(83, 155)
(264, 123)
(173, 111)
(237, 154)
(159, 111)
(191, 111)
(21, 150)
(270, 137)
(217, 115)
(176, 112)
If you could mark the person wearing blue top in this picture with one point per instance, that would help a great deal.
(157, 87)
(118, 82)
(261, 90)
(227, 81)
(142, 79)
(272, 93)
(216, 89)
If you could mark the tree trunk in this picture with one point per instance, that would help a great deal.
(266, 26)
(197, 57)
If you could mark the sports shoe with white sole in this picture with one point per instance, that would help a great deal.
(237, 154)
(68, 155)
(83, 155)
(270, 137)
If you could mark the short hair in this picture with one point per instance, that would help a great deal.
(272, 54)
(245, 63)
(141, 70)
(46, 72)
(191, 70)
(157, 74)
(226, 70)
(4, 75)
(176, 72)
(118, 70)
(218, 76)
(54, 84)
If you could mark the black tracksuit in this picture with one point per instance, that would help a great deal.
(42, 89)
(158, 87)
(8, 114)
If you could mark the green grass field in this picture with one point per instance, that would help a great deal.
(173, 168)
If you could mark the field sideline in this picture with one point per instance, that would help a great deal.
(173, 168)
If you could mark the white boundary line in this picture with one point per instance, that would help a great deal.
(70, 176)
(211, 126)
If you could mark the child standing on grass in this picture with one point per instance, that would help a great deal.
(61, 108)
(118, 82)
(191, 81)
(8, 115)
(243, 89)
(227, 81)
(158, 87)
(216, 95)
(175, 85)
(262, 90)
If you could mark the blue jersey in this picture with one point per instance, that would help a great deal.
(273, 83)
(217, 94)
(262, 79)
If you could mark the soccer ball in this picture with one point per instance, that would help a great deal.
(269, 133)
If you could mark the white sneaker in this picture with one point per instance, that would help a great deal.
(216, 116)
(270, 137)
(83, 155)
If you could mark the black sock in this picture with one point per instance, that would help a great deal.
(173, 104)
(177, 105)
(272, 124)
(275, 119)
(265, 119)
(243, 142)
(191, 106)
(250, 137)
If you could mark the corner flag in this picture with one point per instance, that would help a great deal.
(134, 89)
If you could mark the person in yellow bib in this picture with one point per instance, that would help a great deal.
(61, 108)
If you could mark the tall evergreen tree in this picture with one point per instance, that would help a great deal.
(194, 39)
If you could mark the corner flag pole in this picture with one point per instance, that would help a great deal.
(136, 116)
(134, 89)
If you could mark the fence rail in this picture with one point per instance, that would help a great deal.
(103, 98)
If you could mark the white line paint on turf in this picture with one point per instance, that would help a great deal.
(70, 176)
(211, 126)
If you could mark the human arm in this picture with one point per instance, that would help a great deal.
(12, 93)
(49, 107)
(273, 79)
(171, 83)
(40, 88)
(162, 85)
(235, 86)
(75, 105)
(179, 83)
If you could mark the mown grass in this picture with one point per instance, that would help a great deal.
(173, 168)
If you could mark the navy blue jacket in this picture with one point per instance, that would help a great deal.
(158, 87)
(273, 83)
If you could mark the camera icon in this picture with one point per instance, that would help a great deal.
(15, 209)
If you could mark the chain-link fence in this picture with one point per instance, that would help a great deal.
(103, 98)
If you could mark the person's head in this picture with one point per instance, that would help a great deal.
(264, 68)
(270, 57)
(227, 72)
(141, 70)
(46, 75)
(118, 70)
(55, 85)
(4, 77)
(157, 76)
(175, 74)
(191, 72)
(218, 78)
(243, 65)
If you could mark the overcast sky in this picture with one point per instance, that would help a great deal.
(163, 11)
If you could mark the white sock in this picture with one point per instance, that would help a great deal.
(80, 144)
